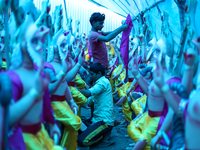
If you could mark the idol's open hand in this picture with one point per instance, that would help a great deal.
(67, 63)
(158, 75)
(124, 27)
(116, 76)
(84, 47)
(155, 141)
(141, 37)
(81, 58)
(129, 90)
(133, 66)
(41, 83)
(74, 106)
(54, 130)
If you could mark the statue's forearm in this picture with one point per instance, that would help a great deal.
(143, 84)
(198, 76)
(187, 80)
(166, 126)
(72, 73)
(173, 100)
(144, 53)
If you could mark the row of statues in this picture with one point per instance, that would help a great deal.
(45, 66)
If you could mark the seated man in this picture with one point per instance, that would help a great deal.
(103, 116)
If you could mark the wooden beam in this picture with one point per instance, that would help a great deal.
(136, 6)
(150, 7)
(92, 1)
(126, 8)
(120, 6)
(147, 2)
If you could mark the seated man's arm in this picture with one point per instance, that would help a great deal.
(85, 92)
(95, 90)
(113, 34)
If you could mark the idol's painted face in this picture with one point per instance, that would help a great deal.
(36, 42)
(83, 38)
(157, 52)
(77, 37)
(35, 39)
(98, 25)
(63, 45)
(160, 50)
(150, 45)
(38, 39)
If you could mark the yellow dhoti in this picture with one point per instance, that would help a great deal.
(79, 82)
(87, 57)
(121, 77)
(40, 141)
(143, 128)
(126, 108)
(135, 105)
(72, 124)
(78, 97)
(4, 66)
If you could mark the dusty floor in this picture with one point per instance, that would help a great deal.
(119, 132)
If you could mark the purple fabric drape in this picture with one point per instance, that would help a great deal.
(124, 47)
(89, 50)
(47, 110)
(15, 140)
(138, 88)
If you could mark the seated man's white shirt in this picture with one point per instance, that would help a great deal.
(103, 101)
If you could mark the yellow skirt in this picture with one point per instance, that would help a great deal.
(72, 124)
(126, 108)
(135, 105)
(87, 57)
(79, 82)
(121, 77)
(40, 141)
(4, 65)
(78, 97)
(143, 128)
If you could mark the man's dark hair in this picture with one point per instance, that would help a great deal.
(97, 17)
(96, 67)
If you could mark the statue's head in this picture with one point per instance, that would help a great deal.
(150, 49)
(29, 41)
(59, 45)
